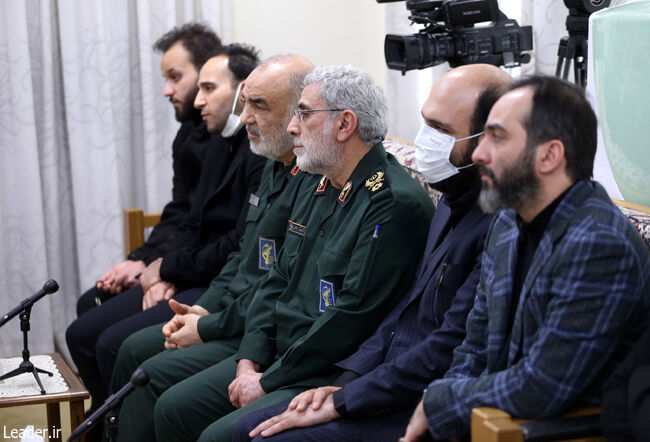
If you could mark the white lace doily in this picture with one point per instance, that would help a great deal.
(25, 384)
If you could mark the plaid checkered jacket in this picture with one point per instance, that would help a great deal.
(583, 303)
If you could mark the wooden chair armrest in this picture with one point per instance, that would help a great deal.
(135, 221)
(494, 425)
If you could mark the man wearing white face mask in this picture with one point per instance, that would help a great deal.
(381, 383)
(219, 85)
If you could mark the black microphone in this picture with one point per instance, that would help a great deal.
(49, 287)
(139, 378)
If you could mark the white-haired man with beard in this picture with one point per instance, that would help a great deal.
(336, 275)
(211, 330)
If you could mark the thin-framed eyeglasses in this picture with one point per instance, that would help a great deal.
(300, 113)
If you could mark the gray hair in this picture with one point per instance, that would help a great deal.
(348, 87)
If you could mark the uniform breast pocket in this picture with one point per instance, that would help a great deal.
(332, 268)
(292, 244)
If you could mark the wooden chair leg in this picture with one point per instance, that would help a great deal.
(54, 422)
(77, 416)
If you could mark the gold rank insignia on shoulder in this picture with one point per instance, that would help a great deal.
(345, 192)
(296, 228)
(295, 170)
(322, 185)
(327, 296)
(266, 253)
(376, 181)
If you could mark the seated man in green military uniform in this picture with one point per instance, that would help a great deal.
(219, 313)
(336, 275)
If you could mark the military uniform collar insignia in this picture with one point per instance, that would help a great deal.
(322, 185)
(345, 191)
(295, 170)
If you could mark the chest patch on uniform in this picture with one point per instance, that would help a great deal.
(376, 182)
(296, 228)
(327, 296)
(295, 170)
(254, 200)
(266, 253)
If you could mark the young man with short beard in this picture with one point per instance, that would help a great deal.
(565, 277)
(198, 248)
(184, 49)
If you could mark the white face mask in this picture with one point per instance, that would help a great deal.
(233, 124)
(432, 152)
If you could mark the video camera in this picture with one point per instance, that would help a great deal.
(449, 35)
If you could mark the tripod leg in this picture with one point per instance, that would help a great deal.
(580, 64)
(40, 370)
(561, 56)
(40, 384)
(570, 53)
(13, 373)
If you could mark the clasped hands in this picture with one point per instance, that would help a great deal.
(121, 276)
(316, 406)
(181, 331)
(246, 387)
(129, 273)
(311, 407)
(155, 289)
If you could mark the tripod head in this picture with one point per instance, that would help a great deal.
(574, 47)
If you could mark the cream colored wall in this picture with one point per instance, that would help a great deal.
(324, 31)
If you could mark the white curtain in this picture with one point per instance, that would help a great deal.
(84, 132)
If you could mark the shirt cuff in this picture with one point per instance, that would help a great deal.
(339, 402)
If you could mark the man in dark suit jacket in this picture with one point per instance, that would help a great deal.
(198, 248)
(382, 381)
(565, 277)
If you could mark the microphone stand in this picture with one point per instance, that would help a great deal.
(24, 310)
(26, 366)
(109, 409)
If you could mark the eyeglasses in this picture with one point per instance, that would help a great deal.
(300, 113)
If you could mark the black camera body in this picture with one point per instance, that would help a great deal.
(450, 35)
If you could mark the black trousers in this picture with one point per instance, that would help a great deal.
(94, 338)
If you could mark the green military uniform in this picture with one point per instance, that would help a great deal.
(347, 254)
(227, 299)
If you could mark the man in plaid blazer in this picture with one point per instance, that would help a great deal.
(565, 279)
